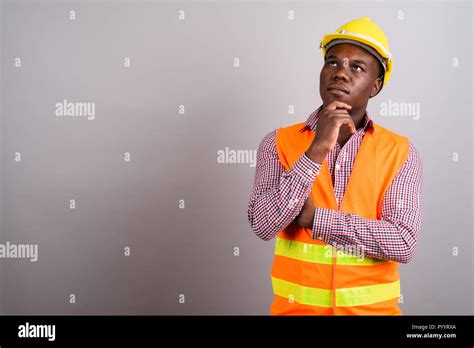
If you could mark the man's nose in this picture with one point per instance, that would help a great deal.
(341, 73)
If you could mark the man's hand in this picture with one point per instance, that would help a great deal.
(306, 216)
(334, 123)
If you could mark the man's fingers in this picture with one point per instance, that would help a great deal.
(339, 113)
(350, 124)
(342, 117)
(346, 120)
(338, 105)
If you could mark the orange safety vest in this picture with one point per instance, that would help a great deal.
(310, 277)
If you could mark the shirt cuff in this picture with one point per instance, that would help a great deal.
(325, 221)
(306, 168)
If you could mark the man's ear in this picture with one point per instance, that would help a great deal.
(377, 87)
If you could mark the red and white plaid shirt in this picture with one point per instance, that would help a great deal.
(278, 197)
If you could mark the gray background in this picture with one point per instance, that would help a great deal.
(191, 251)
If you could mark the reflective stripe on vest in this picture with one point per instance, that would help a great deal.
(345, 297)
(320, 254)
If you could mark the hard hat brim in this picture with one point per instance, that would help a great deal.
(357, 37)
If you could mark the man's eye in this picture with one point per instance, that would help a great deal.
(331, 62)
(360, 68)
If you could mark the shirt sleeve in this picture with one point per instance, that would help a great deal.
(391, 238)
(278, 196)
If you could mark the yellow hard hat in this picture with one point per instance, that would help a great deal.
(365, 33)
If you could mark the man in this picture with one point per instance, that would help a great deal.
(339, 193)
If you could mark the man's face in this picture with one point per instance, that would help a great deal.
(353, 69)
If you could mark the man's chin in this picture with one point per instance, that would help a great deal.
(331, 97)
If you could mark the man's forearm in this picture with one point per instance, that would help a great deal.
(381, 239)
(273, 210)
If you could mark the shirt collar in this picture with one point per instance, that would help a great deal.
(313, 120)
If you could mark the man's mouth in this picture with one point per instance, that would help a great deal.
(338, 89)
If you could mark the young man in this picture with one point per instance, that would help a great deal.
(339, 193)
